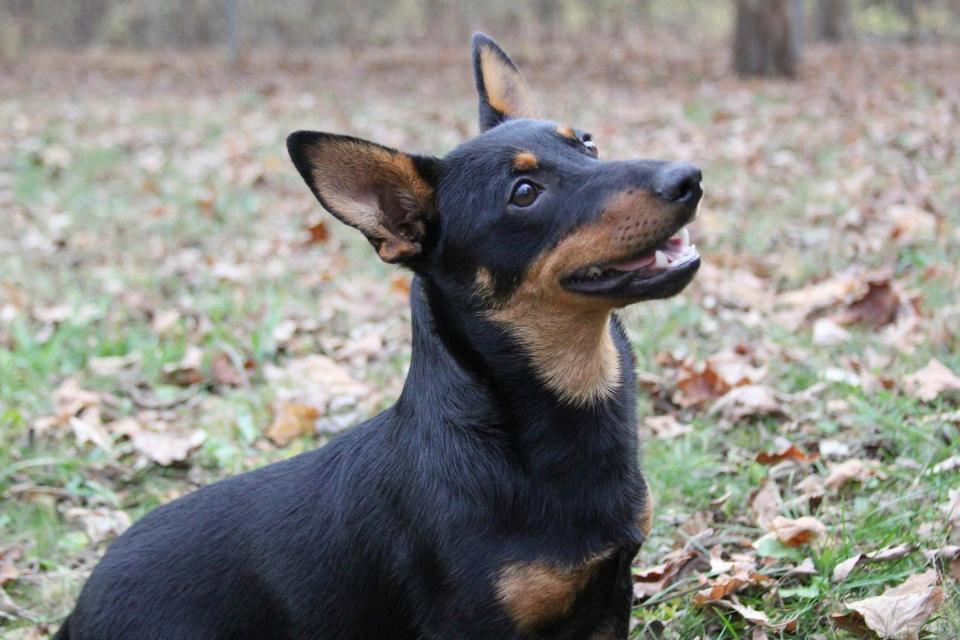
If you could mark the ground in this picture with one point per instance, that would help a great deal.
(175, 308)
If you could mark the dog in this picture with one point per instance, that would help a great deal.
(501, 496)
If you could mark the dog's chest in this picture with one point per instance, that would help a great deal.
(538, 592)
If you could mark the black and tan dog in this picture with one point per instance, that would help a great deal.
(500, 497)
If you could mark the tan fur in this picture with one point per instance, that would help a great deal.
(525, 161)
(483, 284)
(567, 132)
(566, 335)
(535, 593)
(507, 91)
(646, 516)
(346, 175)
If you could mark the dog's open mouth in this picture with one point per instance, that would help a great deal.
(657, 273)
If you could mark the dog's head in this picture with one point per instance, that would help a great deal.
(524, 223)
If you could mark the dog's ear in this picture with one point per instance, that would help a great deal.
(503, 92)
(386, 194)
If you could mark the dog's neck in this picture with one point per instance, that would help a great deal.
(476, 374)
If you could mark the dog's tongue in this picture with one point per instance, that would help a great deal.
(635, 263)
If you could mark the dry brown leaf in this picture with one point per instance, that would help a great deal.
(794, 533)
(900, 612)
(766, 502)
(876, 308)
(166, 447)
(950, 464)
(748, 401)
(70, 399)
(187, 372)
(722, 586)
(652, 580)
(715, 376)
(8, 564)
(225, 373)
(932, 381)
(911, 225)
(826, 332)
(789, 452)
(666, 426)
(893, 552)
(756, 617)
(318, 233)
(849, 470)
(811, 487)
(100, 524)
(290, 421)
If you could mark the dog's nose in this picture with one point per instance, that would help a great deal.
(679, 182)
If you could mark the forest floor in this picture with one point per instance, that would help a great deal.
(176, 308)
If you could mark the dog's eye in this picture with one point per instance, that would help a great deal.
(524, 194)
(589, 144)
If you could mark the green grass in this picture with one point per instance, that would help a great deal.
(185, 203)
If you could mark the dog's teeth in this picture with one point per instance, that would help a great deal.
(594, 272)
(684, 236)
(661, 260)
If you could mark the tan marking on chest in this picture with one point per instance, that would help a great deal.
(534, 593)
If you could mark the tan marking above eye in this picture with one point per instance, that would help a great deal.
(525, 161)
(534, 593)
(567, 336)
(567, 132)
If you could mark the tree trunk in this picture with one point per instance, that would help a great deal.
(764, 42)
(832, 20)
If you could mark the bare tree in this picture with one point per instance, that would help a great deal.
(832, 20)
(764, 42)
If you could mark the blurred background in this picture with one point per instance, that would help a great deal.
(247, 25)
(175, 307)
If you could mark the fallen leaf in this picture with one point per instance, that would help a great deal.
(748, 401)
(719, 588)
(911, 225)
(652, 580)
(766, 502)
(8, 564)
(756, 617)
(950, 464)
(900, 612)
(876, 308)
(894, 552)
(166, 447)
(715, 376)
(826, 332)
(318, 233)
(666, 426)
(100, 524)
(290, 421)
(932, 381)
(794, 533)
(224, 372)
(187, 372)
(789, 452)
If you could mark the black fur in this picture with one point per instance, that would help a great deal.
(399, 528)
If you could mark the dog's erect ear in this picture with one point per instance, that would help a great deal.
(503, 91)
(386, 194)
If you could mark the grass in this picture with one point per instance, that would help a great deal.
(144, 222)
